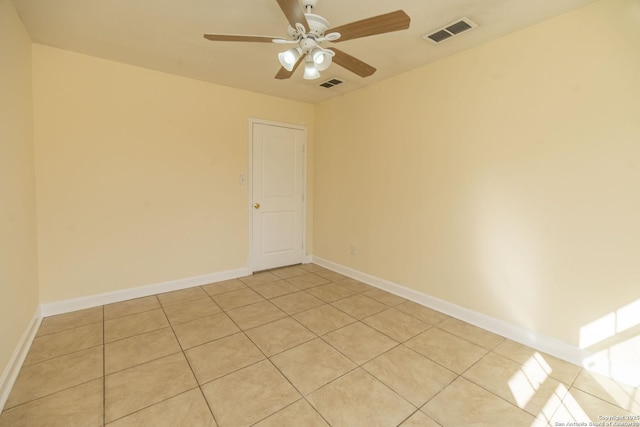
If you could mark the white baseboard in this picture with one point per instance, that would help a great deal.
(307, 259)
(74, 304)
(12, 369)
(543, 343)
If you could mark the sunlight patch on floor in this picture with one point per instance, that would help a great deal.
(546, 414)
(525, 383)
(570, 409)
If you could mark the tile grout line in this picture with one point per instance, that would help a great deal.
(303, 396)
(155, 297)
(137, 335)
(572, 385)
(411, 415)
(594, 396)
(457, 375)
(491, 392)
(153, 404)
(240, 330)
(419, 354)
(273, 364)
(243, 331)
(361, 366)
(495, 395)
(169, 326)
(48, 395)
(184, 355)
(61, 355)
(67, 329)
(144, 363)
(239, 369)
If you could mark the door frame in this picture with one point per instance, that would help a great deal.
(253, 121)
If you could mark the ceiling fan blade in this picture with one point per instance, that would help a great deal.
(387, 23)
(352, 64)
(283, 73)
(237, 38)
(294, 13)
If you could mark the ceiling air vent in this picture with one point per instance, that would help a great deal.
(331, 83)
(450, 30)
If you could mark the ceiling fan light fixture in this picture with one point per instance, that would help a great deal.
(321, 58)
(310, 71)
(289, 57)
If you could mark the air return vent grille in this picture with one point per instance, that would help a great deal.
(451, 30)
(331, 83)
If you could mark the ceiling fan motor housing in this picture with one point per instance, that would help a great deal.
(317, 26)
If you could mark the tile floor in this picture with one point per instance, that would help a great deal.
(297, 346)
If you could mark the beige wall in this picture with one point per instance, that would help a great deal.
(505, 179)
(18, 246)
(138, 172)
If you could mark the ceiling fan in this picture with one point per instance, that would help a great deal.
(308, 31)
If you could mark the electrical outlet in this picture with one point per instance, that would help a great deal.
(352, 249)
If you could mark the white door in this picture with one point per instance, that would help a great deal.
(277, 195)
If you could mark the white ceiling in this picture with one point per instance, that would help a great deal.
(166, 35)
